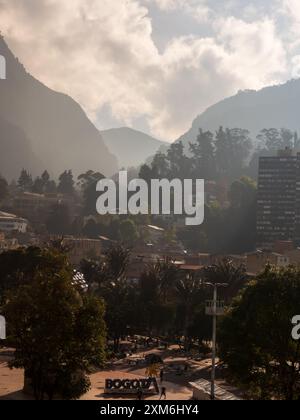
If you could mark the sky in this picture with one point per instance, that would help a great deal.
(154, 65)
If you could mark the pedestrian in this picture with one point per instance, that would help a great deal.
(163, 394)
(140, 395)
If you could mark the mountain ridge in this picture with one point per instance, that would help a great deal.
(131, 147)
(60, 133)
(270, 107)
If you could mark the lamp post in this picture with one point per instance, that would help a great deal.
(214, 310)
(2, 328)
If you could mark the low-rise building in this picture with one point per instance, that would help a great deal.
(81, 248)
(37, 207)
(12, 223)
(258, 260)
(7, 244)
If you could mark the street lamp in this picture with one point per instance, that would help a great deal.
(2, 328)
(214, 309)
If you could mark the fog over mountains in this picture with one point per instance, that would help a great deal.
(271, 107)
(131, 147)
(43, 129)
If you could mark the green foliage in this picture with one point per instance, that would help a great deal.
(58, 331)
(107, 279)
(43, 184)
(227, 230)
(18, 267)
(66, 183)
(233, 147)
(255, 336)
(203, 156)
(25, 182)
(225, 272)
(87, 183)
(59, 220)
(129, 232)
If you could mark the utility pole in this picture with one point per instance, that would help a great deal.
(214, 343)
(214, 309)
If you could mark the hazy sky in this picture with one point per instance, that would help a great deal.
(154, 64)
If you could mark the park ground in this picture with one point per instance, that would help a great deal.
(179, 370)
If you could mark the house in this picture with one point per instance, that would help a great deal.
(7, 244)
(12, 223)
(81, 248)
(257, 261)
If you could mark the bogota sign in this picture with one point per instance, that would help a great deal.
(131, 386)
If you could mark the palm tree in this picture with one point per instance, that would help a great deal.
(226, 271)
(190, 292)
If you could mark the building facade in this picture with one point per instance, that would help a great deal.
(278, 202)
(12, 223)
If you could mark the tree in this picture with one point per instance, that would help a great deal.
(156, 311)
(57, 330)
(147, 174)
(48, 185)
(273, 139)
(38, 186)
(255, 336)
(43, 184)
(179, 163)
(59, 220)
(242, 193)
(203, 156)
(129, 232)
(160, 166)
(66, 183)
(190, 294)
(3, 188)
(87, 183)
(18, 267)
(227, 272)
(233, 147)
(223, 152)
(110, 284)
(25, 182)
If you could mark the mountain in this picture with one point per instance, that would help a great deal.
(131, 147)
(59, 132)
(15, 151)
(271, 107)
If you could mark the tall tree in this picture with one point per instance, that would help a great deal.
(66, 183)
(87, 183)
(25, 182)
(160, 166)
(58, 333)
(59, 220)
(129, 232)
(179, 163)
(255, 336)
(190, 293)
(203, 156)
(117, 293)
(227, 272)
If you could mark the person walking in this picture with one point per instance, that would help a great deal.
(162, 376)
(163, 394)
(140, 395)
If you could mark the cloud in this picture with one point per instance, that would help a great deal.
(199, 9)
(103, 54)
